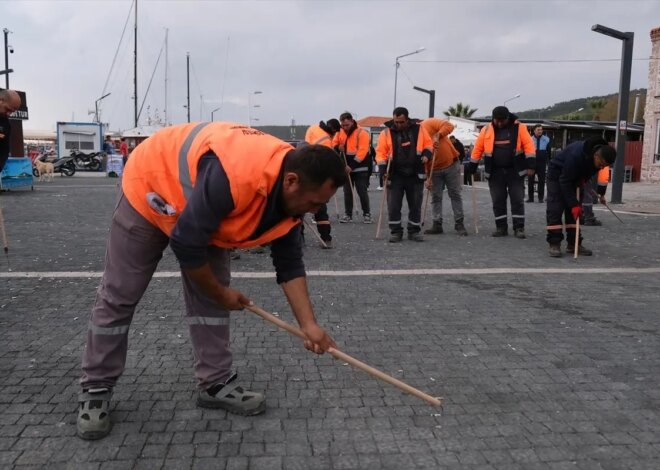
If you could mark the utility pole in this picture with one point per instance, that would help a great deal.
(167, 31)
(135, 89)
(6, 32)
(188, 83)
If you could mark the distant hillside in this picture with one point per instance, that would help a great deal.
(591, 111)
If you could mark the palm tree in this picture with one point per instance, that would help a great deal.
(597, 105)
(460, 110)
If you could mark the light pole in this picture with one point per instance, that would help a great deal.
(511, 99)
(213, 112)
(396, 68)
(96, 107)
(622, 112)
(257, 92)
(7, 70)
(431, 94)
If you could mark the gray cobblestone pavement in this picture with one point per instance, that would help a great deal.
(543, 370)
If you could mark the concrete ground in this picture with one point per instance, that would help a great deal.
(542, 363)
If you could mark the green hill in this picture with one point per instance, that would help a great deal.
(592, 110)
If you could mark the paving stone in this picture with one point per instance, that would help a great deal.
(532, 378)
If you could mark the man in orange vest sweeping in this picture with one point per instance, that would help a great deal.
(203, 189)
(322, 134)
(509, 155)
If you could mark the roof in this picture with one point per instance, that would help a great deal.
(141, 131)
(373, 121)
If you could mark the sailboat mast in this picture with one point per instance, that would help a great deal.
(166, 52)
(135, 90)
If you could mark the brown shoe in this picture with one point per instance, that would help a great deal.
(555, 250)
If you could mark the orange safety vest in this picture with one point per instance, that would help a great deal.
(384, 149)
(355, 147)
(446, 154)
(315, 135)
(160, 175)
(485, 143)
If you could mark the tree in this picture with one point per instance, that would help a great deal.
(597, 106)
(460, 110)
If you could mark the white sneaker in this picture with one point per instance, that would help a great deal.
(379, 188)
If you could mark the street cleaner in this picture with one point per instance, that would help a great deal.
(203, 189)
(568, 172)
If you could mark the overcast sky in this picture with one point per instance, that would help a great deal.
(313, 60)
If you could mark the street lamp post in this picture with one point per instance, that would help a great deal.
(396, 68)
(96, 107)
(431, 94)
(213, 112)
(627, 39)
(7, 70)
(257, 92)
(511, 99)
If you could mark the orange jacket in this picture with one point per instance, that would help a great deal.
(385, 151)
(525, 152)
(316, 135)
(445, 155)
(355, 147)
(165, 167)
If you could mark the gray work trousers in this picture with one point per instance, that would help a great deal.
(451, 178)
(133, 251)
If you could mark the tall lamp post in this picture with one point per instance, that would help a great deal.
(257, 92)
(396, 68)
(96, 107)
(431, 94)
(7, 50)
(511, 99)
(622, 111)
(213, 112)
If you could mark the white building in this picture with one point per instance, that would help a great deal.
(651, 151)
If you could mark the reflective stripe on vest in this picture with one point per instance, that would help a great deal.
(184, 171)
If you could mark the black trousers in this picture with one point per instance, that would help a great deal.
(413, 188)
(503, 183)
(360, 180)
(323, 223)
(557, 209)
(541, 165)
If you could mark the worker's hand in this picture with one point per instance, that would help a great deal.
(436, 145)
(470, 167)
(232, 299)
(530, 172)
(348, 169)
(425, 160)
(317, 340)
(602, 200)
(428, 183)
(576, 211)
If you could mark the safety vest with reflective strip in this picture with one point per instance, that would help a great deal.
(524, 155)
(384, 149)
(163, 168)
(355, 147)
(316, 135)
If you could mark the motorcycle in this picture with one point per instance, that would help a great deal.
(87, 161)
(64, 166)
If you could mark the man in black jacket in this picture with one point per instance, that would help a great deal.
(10, 101)
(567, 173)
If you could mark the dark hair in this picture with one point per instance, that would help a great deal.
(333, 125)
(606, 152)
(400, 111)
(345, 115)
(315, 164)
(537, 126)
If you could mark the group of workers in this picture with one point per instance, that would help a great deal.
(413, 154)
(207, 188)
